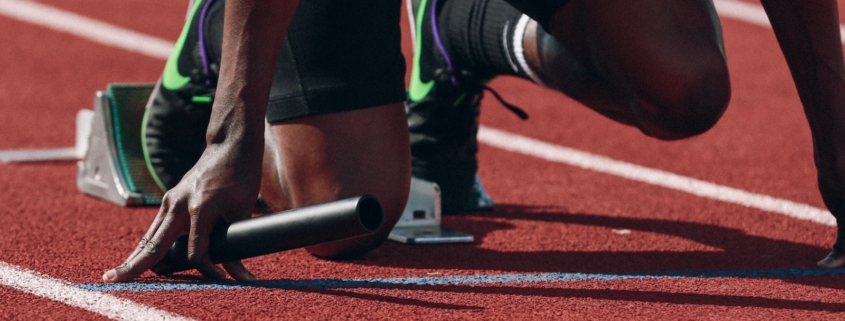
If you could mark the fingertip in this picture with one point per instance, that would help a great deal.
(244, 276)
(832, 261)
(109, 276)
(237, 270)
(219, 274)
(212, 271)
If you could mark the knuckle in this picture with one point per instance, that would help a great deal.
(195, 258)
(195, 209)
(124, 267)
(151, 247)
(167, 199)
(143, 243)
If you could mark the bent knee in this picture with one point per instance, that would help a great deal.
(687, 106)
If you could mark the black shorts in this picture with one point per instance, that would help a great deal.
(339, 55)
(539, 10)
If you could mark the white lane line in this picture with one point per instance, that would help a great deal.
(528, 146)
(87, 28)
(97, 302)
(752, 13)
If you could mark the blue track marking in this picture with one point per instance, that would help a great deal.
(458, 280)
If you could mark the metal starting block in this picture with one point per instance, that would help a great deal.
(113, 166)
(420, 221)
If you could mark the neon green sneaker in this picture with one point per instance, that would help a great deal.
(178, 112)
(443, 107)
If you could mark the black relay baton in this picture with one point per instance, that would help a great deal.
(287, 230)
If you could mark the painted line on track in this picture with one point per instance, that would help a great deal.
(93, 301)
(87, 28)
(460, 280)
(529, 146)
(752, 13)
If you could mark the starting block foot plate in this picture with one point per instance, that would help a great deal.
(113, 167)
(420, 222)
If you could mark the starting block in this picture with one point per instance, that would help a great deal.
(420, 221)
(113, 166)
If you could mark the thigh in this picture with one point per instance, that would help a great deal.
(647, 47)
(339, 56)
(656, 64)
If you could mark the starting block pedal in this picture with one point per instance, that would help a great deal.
(420, 221)
(113, 167)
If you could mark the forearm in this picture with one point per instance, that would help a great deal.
(253, 34)
(808, 33)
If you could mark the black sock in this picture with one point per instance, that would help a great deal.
(479, 36)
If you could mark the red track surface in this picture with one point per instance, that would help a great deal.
(550, 217)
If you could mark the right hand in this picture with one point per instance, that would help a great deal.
(223, 185)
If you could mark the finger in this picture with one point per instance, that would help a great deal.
(833, 260)
(153, 251)
(236, 269)
(238, 272)
(198, 242)
(162, 213)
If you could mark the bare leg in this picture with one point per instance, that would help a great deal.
(655, 64)
(327, 157)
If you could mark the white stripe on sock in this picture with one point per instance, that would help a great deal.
(507, 51)
(519, 51)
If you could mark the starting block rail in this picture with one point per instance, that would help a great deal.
(83, 130)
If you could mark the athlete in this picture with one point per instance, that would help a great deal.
(658, 65)
(309, 117)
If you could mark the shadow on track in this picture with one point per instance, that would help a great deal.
(737, 250)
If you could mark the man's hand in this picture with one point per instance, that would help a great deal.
(223, 185)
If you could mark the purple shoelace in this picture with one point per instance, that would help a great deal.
(439, 42)
(516, 110)
(203, 51)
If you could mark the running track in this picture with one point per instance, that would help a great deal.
(594, 221)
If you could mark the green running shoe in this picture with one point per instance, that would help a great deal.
(443, 107)
(178, 112)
